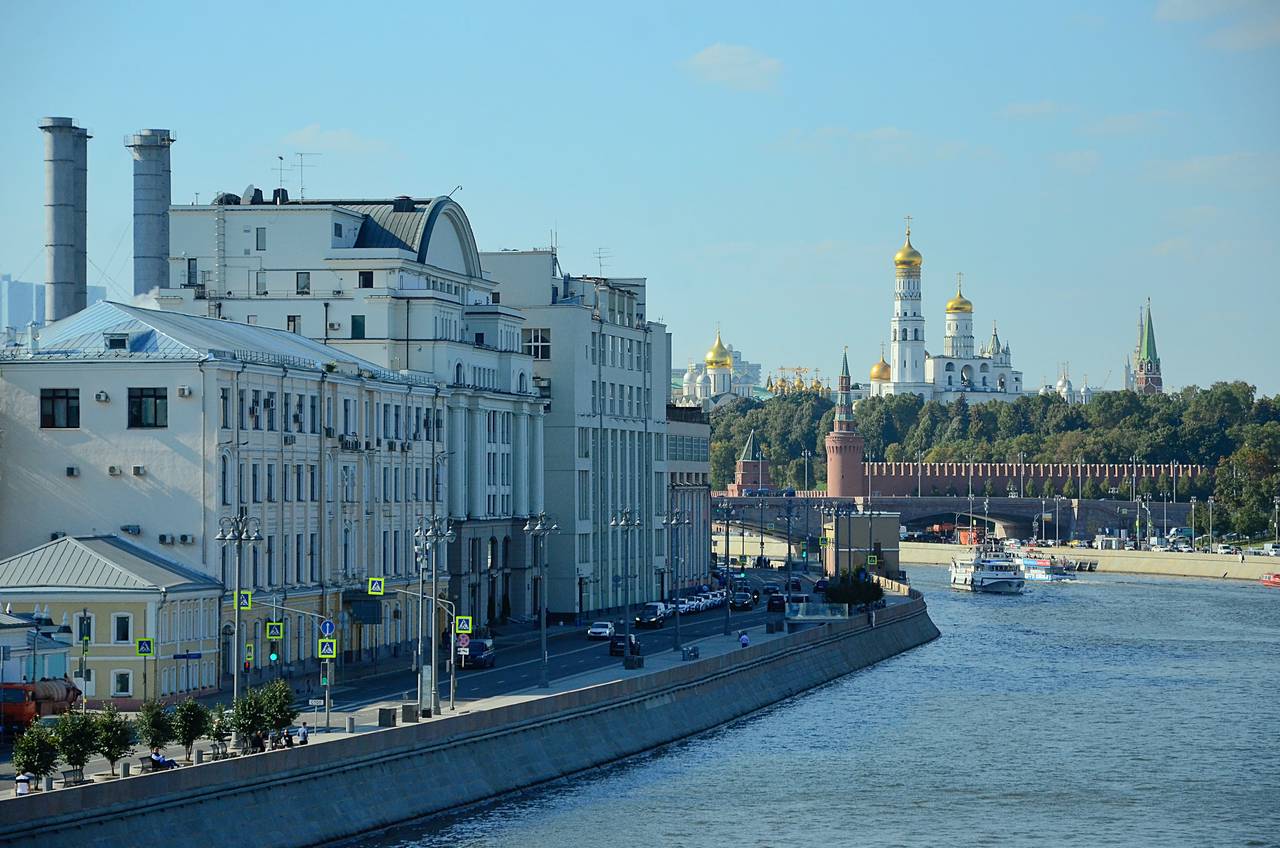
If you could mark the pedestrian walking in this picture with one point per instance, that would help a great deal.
(743, 639)
(303, 733)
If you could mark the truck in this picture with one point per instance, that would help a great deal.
(23, 703)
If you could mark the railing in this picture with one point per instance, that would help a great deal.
(894, 586)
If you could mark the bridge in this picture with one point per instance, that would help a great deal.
(1002, 516)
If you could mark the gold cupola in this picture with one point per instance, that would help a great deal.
(907, 256)
(719, 356)
(959, 303)
(880, 372)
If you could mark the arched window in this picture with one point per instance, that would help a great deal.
(949, 377)
(917, 334)
(985, 368)
(457, 374)
(951, 366)
(523, 386)
(984, 379)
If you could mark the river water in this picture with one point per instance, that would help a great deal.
(1115, 710)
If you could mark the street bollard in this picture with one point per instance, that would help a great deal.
(124, 769)
(48, 783)
(199, 756)
(351, 724)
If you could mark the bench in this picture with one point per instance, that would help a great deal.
(146, 764)
(218, 751)
(73, 777)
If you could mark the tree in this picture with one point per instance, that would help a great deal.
(1091, 490)
(155, 726)
(855, 591)
(35, 751)
(191, 720)
(248, 714)
(1031, 489)
(77, 737)
(115, 735)
(220, 727)
(277, 699)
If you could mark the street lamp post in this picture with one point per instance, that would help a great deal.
(1211, 502)
(674, 522)
(726, 512)
(238, 529)
(429, 536)
(539, 530)
(1193, 522)
(1057, 504)
(624, 522)
(1275, 516)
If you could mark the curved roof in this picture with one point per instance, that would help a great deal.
(408, 224)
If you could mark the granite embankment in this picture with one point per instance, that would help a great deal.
(351, 786)
(1126, 562)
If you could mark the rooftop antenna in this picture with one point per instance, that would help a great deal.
(450, 194)
(601, 254)
(280, 168)
(302, 162)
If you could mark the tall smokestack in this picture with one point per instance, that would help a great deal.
(65, 195)
(151, 198)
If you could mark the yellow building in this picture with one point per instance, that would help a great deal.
(151, 624)
(851, 539)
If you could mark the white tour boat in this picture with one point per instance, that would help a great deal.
(986, 570)
(1042, 569)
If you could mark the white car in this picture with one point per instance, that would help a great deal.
(600, 630)
(687, 606)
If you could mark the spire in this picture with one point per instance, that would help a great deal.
(844, 363)
(749, 449)
(994, 347)
(1147, 349)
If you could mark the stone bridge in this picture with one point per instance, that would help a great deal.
(1013, 517)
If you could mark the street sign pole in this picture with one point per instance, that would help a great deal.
(328, 699)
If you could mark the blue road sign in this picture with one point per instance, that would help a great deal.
(326, 627)
(189, 655)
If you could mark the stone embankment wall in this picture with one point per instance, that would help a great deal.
(1126, 562)
(305, 796)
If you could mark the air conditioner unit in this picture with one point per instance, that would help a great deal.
(73, 471)
(114, 470)
(391, 444)
(184, 391)
(268, 402)
(139, 470)
(166, 538)
(297, 418)
(337, 292)
(335, 325)
(131, 529)
(328, 432)
(102, 397)
(290, 439)
(253, 410)
(187, 539)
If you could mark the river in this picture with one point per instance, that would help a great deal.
(1115, 710)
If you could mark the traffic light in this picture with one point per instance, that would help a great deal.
(273, 651)
(246, 666)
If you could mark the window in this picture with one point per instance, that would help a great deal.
(116, 341)
(260, 238)
(337, 230)
(366, 279)
(271, 482)
(224, 482)
(193, 276)
(304, 282)
(59, 408)
(121, 684)
(357, 326)
(257, 489)
(121, 627)
(148, 408)
(255, 409)
(260, 278)
(270, 406)
(293, 323)
(536, 342)
(224, 405)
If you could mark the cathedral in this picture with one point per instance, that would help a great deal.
(723, 377)
(981, 372)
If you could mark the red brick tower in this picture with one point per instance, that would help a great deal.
(846, 477)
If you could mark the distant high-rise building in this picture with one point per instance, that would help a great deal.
(21, 303)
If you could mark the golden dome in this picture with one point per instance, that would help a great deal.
(719, 355)
(959, 303)
(880, 371)
(908, 256)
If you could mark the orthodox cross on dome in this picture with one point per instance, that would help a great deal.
(908, 220)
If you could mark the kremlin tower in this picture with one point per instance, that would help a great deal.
(844, 446)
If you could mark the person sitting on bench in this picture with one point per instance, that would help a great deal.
(160, 762)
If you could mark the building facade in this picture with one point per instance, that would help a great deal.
(980, 372)
(603, 368)
(158, 425)
(23, 303)
(398, 283)
(689, 519)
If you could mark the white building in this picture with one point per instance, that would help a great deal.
(155, 425)
(980, 373)
(723, 375)
(397, 282)
(689, 472)
(605, 369)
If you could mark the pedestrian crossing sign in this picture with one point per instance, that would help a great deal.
(275, 630)
(146, 648)
(244, 600)
(375, 586)
(248, 652)
(328, 649)
(823, 541)
(872, 559)
(463, 624)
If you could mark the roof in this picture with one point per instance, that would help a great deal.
(384, 227)
(99, 564)
(749, 449)
(173, 335)
(1147, 352)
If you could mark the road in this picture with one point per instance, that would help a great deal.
(568, 653)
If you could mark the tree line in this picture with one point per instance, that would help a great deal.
(1226, 427)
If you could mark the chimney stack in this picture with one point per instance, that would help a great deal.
(65, 199)
(151, 198)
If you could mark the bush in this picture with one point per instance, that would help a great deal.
(76, 734)
(191, 721)
(220, 727)
(155, 726)
(249, 714)
(115, 735)
(35, 751)
(854, 591)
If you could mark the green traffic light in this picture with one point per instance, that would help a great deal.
(274, 656)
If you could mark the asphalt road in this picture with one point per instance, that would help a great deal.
(568, 653)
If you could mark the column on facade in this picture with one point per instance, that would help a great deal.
(456, 463)
(537, 480)
(520, 464)
(477, 485)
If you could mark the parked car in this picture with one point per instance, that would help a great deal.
(618, 640)
(687, 606)
(481, 653)
(650, 615)
(742, 601)
(600, 630)
(820, 586)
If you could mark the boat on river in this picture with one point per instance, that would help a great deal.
(1271, 580)
(987, 570)
(1042, 569)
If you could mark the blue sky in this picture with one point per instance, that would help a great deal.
(753, 161)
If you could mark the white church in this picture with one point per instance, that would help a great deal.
(978, 372)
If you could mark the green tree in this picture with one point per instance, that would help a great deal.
(1091, 490)
(248, 714)
(1032, 489)
(220, 725)
(155, 726)
(77, 737)
(115, 735)
(35, 751)
(191, 721)
(856, 590)
(278, 705)
(1049, 489)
